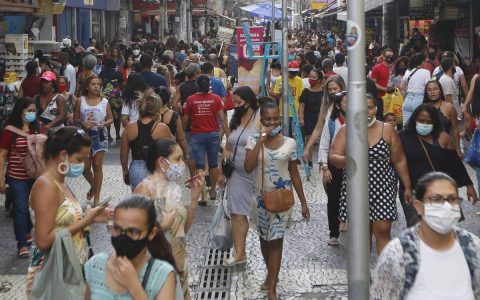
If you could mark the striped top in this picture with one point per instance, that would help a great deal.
(17, 150)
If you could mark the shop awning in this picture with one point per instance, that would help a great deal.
(372, 4)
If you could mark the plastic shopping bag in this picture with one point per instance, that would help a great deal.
(220, 230)
(61, 276)
(393, 103)
(472, 156)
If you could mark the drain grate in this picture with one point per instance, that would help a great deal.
(215, 279)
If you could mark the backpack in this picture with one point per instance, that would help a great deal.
(34, 162)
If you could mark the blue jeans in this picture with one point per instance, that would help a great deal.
(478, 179)
(205, 143)
(412, 101)
(137, 172)
(22, 224)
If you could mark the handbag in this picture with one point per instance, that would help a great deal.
(220, 230)
(278, 200)
(61, 276)
(228, 164)
(472, 156)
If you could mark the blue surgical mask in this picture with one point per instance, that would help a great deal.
(276, 131)
(424, 129)
(30, 116)
(75, 170)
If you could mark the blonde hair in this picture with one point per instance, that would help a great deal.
(326, 102)
(163, 70)
(148, 103)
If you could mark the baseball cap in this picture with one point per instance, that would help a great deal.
(293, 66)
(48, 76)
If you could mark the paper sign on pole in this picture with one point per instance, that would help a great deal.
(224, 34)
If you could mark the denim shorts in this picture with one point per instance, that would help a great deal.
(137, 172)
(412, 101)
(205, 143)
(189, 144)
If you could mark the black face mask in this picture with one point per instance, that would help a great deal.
(390, 59)
(125, 246)
(431, 56)
(241, 110)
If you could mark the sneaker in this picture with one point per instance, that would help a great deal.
(23, 252)
(333, 241)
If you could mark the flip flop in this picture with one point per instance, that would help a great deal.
(230, 262)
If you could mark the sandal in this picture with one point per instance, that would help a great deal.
(232, 261)
(29, 239)
(333, 241)
(23, 252)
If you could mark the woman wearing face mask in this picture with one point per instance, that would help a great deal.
(127, 68)
(13, 148)
(63, 86)
(165, 163)
(243, 124)
(139, 244)
(93, 112)
(442, 258)
(310, 104)
(332, 176)
(414, 81)
(50, 104)
(385, 157)
(429, 148)
(280, 171)
(447, 112)
(88, 65)
(333, 85)
(53, 205)
(399, 70)
(138, 135)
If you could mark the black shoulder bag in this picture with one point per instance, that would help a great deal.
(227, 164)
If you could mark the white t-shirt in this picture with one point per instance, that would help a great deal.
(456, 76)
(442, 275)
(130, 111)
(72, 78)
(306, 83)
(448, 87)
(417, 81)
(342, 71)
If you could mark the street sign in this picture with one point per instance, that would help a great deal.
(224, 34)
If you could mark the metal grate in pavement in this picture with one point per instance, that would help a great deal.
(215, 279)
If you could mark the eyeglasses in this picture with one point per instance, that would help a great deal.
(133, 233)
(439, 200)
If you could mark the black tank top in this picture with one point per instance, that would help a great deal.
(445, 121)
(172, 125)
(140, 144)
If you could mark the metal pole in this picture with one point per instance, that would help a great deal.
(272, 21)
(285, 87)
(357, 161)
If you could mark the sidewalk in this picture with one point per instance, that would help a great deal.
(310, 268)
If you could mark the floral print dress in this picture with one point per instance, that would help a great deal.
(271, 226)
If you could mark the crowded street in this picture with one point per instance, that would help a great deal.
(212, 149)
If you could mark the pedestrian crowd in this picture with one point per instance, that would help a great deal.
(172, 104)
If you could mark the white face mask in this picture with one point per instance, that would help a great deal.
(441, 219)
(39, 70)
(372, 121)
(136, 52)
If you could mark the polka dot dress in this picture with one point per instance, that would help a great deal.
(382, 185)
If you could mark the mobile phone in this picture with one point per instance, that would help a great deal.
(191, 179)
(105, 202)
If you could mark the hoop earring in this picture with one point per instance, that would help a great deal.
(63, 168)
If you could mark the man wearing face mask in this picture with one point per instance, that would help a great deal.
(431, 62)
(136, 52)
(381, 74)
(68, 71)
(436, 259)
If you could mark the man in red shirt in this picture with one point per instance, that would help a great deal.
(381, 74)
(431, 62)
(203, 109)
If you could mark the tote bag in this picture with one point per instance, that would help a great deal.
(61, 277)
(472, 156)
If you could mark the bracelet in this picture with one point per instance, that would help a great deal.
(324, 167)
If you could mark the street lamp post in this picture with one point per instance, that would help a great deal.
(357, 158)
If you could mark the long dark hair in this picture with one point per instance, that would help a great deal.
(246, 94)
(476, 98)
(426, 99)
(203, 82)
(15, 118)
(68, 138)
(416, 60)
(434, 114)
(158, 148)
(135, 83)
(158, 247)
(337, 100)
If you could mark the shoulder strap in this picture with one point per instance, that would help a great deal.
(263, 165)
(239, 136)
(426, 153)
(331, 129)
(410, 76)
(147, 272)
(16, 130)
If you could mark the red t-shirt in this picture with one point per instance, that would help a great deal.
(381, 74)
(15, 168)
(31, 86)
(203, 110)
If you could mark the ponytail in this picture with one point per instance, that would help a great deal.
(160, 248)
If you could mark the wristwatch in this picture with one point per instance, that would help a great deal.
(324, 167)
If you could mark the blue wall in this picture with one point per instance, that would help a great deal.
(97, 4)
